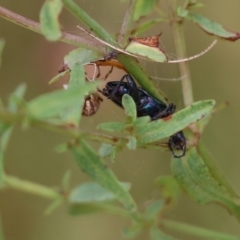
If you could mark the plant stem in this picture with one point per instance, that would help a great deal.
(87, 20)
(196, 231)
(19, 118)
(178, 36)
(127, 24)
(35, 26)
(30, 187)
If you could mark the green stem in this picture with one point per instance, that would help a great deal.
(127, 24)
(197, 231)
(87, 20)
(19, 118)
(35, 27)
(30, 187)
(178, 36)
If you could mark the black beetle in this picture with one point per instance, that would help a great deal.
(146, 105)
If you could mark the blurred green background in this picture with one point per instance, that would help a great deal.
(29, 58)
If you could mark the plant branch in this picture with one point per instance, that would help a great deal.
(87, 20)
(21, 118)
(196, 231)
(178, 36)
(30, 187)
(127, 24)
(35, 27)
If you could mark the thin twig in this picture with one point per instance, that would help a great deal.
(35, 26)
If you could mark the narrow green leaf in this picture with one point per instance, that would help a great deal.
(153, 210)
(106, 150)
(53, 206)
(129, 107)
(52, 104)
(16, 97)
(209, 26)
(194, 177)
(57, 77)
(152, 53)
(112, 126)
(170, 188)
(132, 143)
(157, 234)
(80, 55)
(66, 180)
(2, 43)
(6, 129)
(214, 169)
(49, 15)
(143, 8)
(73, 113)
(93, 192)
(95, 168)
(157, 130)
(142, 121)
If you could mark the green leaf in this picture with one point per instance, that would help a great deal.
(6, 129)
(170, 189)
(106, 150)
(132, 143)
(152, 53)
(153, 210)
(143, 8)
(57, 77)
(194, 177)
(210, 26)
(157, 234)
(2, 43)
(53, 206)
(52, 104)
(112, 126)
(73, 112)
(129, 107)
(93, 192)
(49, 15)
(96, 169)
(142, 121)
(66, 180)
(157, 130)
(80, 55)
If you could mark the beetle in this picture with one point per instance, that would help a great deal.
(146, 105)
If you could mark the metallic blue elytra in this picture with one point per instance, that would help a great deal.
(146, 105)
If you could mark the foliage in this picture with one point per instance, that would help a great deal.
(59, 111)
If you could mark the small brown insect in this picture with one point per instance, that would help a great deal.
(91, 104)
